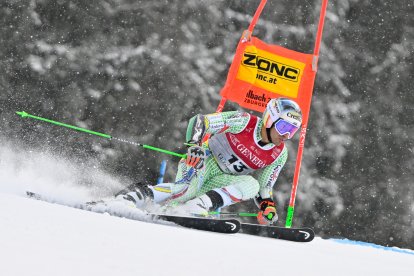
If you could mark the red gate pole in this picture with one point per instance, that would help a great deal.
(290, 211)
(256, 15)
(247, 36)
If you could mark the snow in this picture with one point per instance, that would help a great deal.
(40, 238)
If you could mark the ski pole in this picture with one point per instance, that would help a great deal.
(234, 214)
(27, 115)
(269, 216)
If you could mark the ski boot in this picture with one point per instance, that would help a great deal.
(138, 195)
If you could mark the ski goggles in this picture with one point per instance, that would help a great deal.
(282, 127)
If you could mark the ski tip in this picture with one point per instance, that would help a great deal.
(33, 195)
(307, 234)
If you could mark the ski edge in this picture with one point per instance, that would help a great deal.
(225, 226)
(302, 234)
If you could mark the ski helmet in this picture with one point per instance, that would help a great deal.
(284, 114)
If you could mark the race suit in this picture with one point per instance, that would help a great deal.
(234, 154)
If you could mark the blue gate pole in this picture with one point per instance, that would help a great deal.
(163, 168)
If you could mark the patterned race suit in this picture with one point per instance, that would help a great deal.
(233, 155)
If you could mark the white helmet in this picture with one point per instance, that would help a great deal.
(284, 114)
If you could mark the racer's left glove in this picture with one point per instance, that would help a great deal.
(267, 214)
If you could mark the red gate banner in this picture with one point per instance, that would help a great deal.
(261, 71)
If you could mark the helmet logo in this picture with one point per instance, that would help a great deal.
(294, 116)
(277, 108)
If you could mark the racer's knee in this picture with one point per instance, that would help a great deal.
(248, 186)
(245, 188)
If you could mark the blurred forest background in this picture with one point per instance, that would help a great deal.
(140, 69)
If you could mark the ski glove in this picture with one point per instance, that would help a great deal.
(196, 156)
(267, 214)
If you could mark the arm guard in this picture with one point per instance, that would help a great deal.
(199, 125)
(195, 130)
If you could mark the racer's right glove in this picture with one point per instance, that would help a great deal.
(196, 156)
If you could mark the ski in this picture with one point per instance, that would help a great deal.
(226, 226)
(291, 234)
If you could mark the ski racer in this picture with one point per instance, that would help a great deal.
(218, 172)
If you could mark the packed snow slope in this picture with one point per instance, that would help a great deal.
(40, 238)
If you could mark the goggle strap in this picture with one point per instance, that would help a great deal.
(268, 133)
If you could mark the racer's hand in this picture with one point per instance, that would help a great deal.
(267, 214)
(196, 156)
